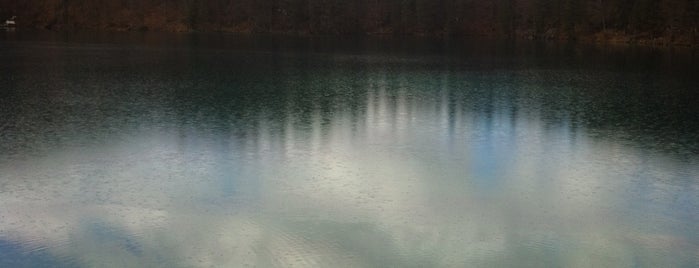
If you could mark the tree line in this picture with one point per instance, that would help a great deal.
(565, 19)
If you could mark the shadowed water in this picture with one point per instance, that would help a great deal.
(230, 151)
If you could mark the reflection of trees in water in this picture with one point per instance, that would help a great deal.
(653, 113)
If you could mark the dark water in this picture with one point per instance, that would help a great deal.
(232, 151)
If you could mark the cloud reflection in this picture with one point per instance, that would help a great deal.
(407, 169)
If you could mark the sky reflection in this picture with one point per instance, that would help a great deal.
(360, 162)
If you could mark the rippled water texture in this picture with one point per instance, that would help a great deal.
(232, 151)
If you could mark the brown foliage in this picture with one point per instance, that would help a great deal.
(620, 20)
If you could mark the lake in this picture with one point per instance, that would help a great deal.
(210, 150)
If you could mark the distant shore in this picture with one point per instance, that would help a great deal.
(647, 22)
(607, 37)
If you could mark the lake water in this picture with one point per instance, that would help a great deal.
(147, 150)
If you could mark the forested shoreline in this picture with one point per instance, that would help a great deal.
(629, 21)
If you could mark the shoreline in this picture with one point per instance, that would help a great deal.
(616, 38)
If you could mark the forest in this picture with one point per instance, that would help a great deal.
(658, 21)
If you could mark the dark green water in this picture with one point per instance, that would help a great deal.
(231, 151)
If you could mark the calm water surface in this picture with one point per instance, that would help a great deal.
(230, 151)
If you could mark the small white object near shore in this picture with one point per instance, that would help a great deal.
(10, 23)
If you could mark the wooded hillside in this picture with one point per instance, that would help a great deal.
(666, 21)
